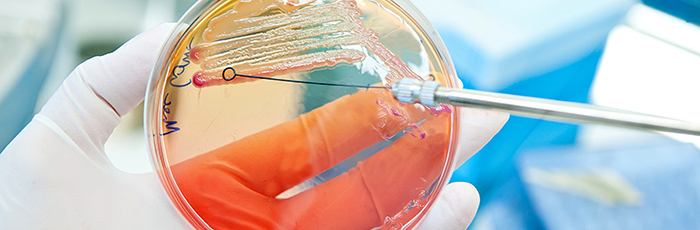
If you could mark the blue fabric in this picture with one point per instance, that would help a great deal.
(494, 164)
(665, 173)
(17, 107)
(688, 10)
(509, 209)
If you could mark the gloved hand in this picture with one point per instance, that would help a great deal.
(55, 175)
(235, 186)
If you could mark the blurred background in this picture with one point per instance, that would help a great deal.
(636, 55)
(41, 41)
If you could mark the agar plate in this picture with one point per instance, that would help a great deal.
(275, 114)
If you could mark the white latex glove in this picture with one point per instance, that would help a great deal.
(55, 174)
(457, 203)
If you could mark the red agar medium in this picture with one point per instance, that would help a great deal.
(283, 153)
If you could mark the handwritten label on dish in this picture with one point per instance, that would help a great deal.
(180, 69)
(170, 125)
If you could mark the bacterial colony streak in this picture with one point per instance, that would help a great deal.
(223, 75)
(300, 37)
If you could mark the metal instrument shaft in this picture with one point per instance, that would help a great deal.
(432, 93)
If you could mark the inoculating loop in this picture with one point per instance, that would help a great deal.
(431, 77)
(227, 69)
(223, 74)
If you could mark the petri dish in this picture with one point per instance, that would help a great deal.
(274, 114)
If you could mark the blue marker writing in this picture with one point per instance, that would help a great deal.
(170, 126)
(181, 68)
